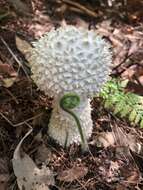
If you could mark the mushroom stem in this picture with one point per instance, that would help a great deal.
(67, 103)
(63, 123)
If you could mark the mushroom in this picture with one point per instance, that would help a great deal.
(66, 62)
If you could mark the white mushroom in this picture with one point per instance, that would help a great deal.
(70, 60)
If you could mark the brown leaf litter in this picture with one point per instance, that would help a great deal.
(69, 175)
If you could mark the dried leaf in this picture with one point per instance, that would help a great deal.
(133, 48)
(3, 181)
(105, 139)
(72, 174)
(4, 173)
(131, 141)
(113, 170)
(129, 72)
(23, 46)
(120, 187)
(21, 7)
(133, 178)
(29, 176)
(4, 165)
(141, 79)
(43, 155)
(7, 69)
(8, 82)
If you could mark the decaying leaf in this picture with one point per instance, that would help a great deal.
(112, 172)
(105, 139)
(8, 82)
(4, 173)
(29, 176)
(23, 46)
(3, 181)
(21, 7)
(44, 154)
(4, 165)
(7, 69)
(131, 141)
(72, 174)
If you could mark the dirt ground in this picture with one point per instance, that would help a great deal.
(22, 105)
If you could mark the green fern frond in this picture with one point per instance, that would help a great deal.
(127, 105)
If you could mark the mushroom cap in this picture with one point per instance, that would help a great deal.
(70, 59)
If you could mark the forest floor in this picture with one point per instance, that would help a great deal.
(112, 166)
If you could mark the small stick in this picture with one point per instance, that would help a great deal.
(74, 9)
(83, 8)
(13, 97)
(124, 60)
(21, 123)
(14, 56)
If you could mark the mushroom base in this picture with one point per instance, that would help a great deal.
(63, 128)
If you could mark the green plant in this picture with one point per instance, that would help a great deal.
(67, 103)
(125, 104)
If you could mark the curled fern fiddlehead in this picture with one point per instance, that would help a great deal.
(68, 102)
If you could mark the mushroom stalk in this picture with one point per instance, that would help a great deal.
(63, 126)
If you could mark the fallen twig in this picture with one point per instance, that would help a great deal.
(13, 97)
(14, 56)
(21, 123)
(80, 7)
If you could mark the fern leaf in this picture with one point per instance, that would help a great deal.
(126, 111)
(137, 119)
(141, 123)
(128, 105)
(118, 107)
(107, 104)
